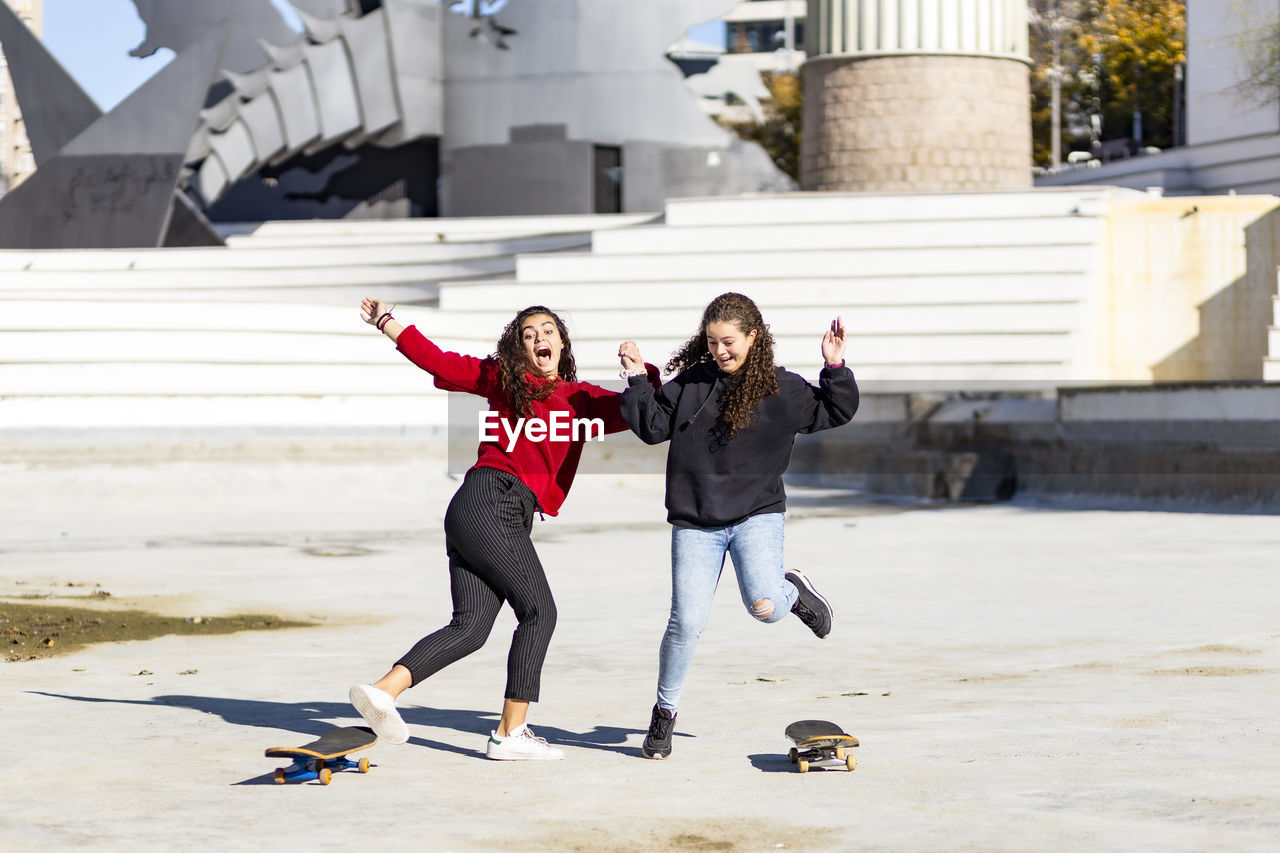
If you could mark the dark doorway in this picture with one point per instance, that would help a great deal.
(608, 179)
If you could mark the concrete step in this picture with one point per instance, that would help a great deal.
(359, 231)
(346, 296)
(152, 315)
(49, 281)
(869, 207)
(781, 265)
(264, 348)
(916, 378)
(250, 255)
(614, 324)
(843, 292)
(867, 350)
(660, 239)
(408, 410)
(1251, 176)
(185, 380)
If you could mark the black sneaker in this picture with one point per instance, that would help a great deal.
(811, 607)
(657, 743)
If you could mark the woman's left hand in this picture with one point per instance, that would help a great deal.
(833, 343)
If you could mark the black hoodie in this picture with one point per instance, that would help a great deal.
(713, 481)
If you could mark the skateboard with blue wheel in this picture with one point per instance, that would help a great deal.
(822, 744)
(318, 759)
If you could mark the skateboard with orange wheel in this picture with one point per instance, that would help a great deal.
(819, 743)
(318, 759)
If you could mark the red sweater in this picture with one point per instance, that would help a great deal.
(547, 467)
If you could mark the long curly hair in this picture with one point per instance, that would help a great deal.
(755, 380)
(514, 367)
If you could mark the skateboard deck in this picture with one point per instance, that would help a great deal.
(318, 759)
(822, 744)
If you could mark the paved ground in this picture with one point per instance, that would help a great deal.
(1021, 677)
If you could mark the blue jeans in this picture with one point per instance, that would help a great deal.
(697, 559)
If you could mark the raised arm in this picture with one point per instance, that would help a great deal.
(835, 400)
(452, 371)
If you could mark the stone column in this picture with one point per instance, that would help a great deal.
(916, 95)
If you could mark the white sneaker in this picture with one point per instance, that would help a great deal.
(379, 711)
(520, 745)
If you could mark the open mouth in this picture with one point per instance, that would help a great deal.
(542, 355)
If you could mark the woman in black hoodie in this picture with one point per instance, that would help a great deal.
(731, 416)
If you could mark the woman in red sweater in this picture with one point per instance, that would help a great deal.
(528, 466)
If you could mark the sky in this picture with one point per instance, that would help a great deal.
(92, 40)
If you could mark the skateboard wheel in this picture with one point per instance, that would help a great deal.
(363, 766)
(840, 752)
(793, 755)
(278, 775)
(325, 776)
(850, 762)
(802, 765)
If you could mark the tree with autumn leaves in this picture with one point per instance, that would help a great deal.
(779, 133)
(1118, 60)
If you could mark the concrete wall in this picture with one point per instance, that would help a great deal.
(552, 177)
(653, 172)
(1248, 165)
(1186, 288)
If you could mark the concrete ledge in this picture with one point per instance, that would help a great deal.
(1228, 456)
(1196, 401)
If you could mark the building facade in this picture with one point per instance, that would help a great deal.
(16, 161)
(770, 32)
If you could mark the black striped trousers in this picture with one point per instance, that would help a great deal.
(492, 560)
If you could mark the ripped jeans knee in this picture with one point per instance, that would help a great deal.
(762, 609)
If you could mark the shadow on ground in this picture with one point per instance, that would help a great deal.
(771, 762)
(312, 719)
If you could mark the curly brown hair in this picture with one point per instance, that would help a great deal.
(514, 366)
(755, 380)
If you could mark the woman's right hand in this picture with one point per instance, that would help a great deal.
(629, 354)
(371, 310)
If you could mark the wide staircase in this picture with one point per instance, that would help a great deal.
(936, 291)
(957, 290)
(264, 332)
